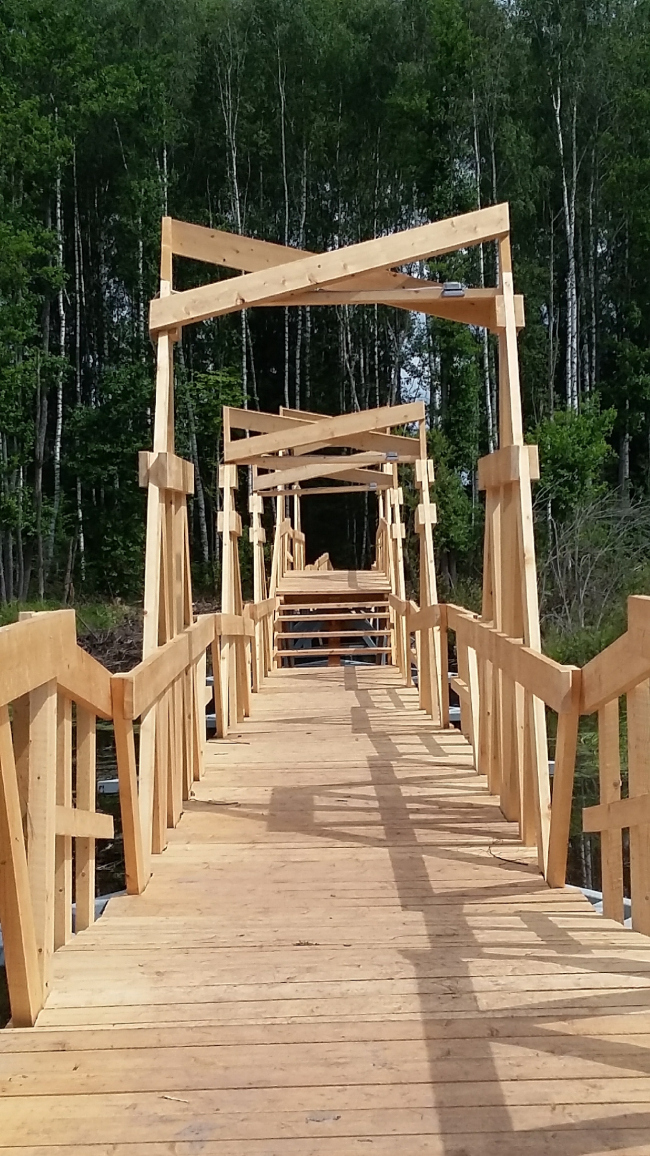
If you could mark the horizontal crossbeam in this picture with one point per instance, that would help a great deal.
(323, 431)
(323, 269)
(76, 824)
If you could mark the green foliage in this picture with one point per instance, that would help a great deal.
(460, 522)
(574, 452)
(320, 123)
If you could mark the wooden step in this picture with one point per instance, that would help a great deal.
(304, 605)
(325, 651)
(344, 617)
(292, 634)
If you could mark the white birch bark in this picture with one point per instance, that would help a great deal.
(569, 183)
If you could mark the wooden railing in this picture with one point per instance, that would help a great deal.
(322, 563)
(503, 740)
(623, 669)
(51, 692)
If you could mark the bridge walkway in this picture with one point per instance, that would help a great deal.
(343, 949)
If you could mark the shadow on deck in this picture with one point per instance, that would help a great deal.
(344, 948)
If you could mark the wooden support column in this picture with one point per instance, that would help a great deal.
(430, 680)
(16, 908)
(510, 589)
(233, 654)
(257, 534)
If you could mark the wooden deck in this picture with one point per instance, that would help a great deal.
(342, 583)
(343, 950)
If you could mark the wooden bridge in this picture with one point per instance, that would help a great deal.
(346, 926)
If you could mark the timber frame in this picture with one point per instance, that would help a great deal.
(52, 692)
(284, 453)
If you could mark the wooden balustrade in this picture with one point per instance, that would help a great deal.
(503, 740)
(623, 669)
(51, 693)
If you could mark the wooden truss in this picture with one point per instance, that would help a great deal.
(286, 452)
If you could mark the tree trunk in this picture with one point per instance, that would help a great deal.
(593, 374)
(487, 384)
(569, 206)
(285, 183)
(80, 299)
(624, 458)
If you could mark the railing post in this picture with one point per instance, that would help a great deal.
(26, 989)
(41, 803)
(638, 740)
(565, 757)
(134, 860)
(444, 665)
(63, 844)
(86, 795)
(611, 844)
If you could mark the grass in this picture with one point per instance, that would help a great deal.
(91, 616)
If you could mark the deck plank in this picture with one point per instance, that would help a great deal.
(343, 949)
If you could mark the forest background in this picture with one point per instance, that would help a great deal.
(318, 123)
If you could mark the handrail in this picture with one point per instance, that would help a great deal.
(504, 743)
(43, 672)
(623, 669)
(45, 676)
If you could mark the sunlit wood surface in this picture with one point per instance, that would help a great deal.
(343, 950)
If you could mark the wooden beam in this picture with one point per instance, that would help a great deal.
(315, 490)
(542, 676)
(504, 466)
(613, 672)
(324, 430)
(260, 610)
(255, 421)
(401, 248)
(83, 824)
(85, 680)
(618, 814)
(233, 626)
(166, 471)
(288, 462)
(425, 619)
(479, 307)
(144, 685)
(336, 470)
(31, 650)
(250, 255)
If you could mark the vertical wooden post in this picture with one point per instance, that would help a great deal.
(474, 703)
(565, 757)
(134, 858)
(63, 843)
(230, 594)
(86, 794)
(425, 520)
(24, 978)
(510, 588)
(161, 779)
(611, 843)
(638, 756)
(444, 667)
(258, 538)
(220, 692)
(40, 823)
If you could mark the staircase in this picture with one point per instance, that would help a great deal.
(326, 616)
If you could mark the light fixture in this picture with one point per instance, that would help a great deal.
(391, 456)
(453, 289)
